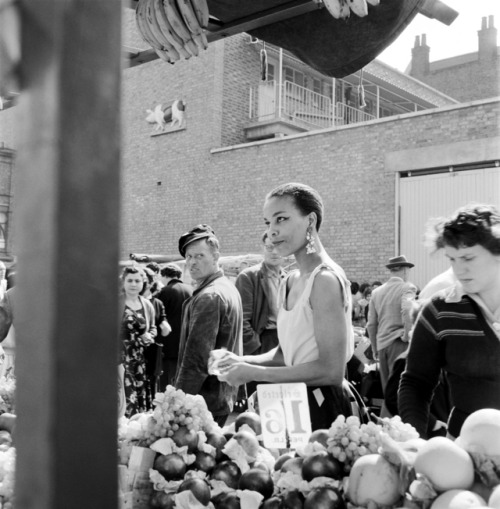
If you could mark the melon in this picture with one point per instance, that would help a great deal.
(494, 500)
(373, 478)
(458, 499)
(446, 465)
(480, 432)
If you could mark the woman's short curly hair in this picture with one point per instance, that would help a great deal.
(468, 226)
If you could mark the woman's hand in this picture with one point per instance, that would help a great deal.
(146, 339)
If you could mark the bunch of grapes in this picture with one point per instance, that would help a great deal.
(7, 477)
(7, 392)
(349, 439)
(175, 409)
(397, 429)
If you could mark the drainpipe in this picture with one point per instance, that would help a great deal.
(378, 102)
(333, 101)
(280, 83)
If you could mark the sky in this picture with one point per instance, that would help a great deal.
(444, 41)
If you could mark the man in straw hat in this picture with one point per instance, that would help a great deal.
(389, 317)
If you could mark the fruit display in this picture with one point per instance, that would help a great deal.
(7, 449)
(176, 457)
(191, 462)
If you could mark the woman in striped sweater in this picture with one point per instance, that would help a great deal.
(458, 330)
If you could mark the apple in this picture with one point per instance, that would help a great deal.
(217, 440)
(256, 479)
(227, 471)
(184, 436)
(204, 461)
(227, 500)
(5, 440)
(198, 487)
(293, 465)
(324, 498)
(281, 459)
(261, 465)
(292, 499)
(248, 441)
(271, 503)
(321, 436)
(251, 419)
(321, 464)
(7, 422)
(162, 500)
(170, 466)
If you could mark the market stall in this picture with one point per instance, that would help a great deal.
(67, 217)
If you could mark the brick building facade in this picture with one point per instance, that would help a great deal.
(464, 77)
(207, 171)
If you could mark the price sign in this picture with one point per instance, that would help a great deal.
(284, 412)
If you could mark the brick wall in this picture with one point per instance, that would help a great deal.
(226, 188)
(241, 71)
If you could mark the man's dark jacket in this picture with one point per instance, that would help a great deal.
(212, 318)
(253, 285)
(173, 296)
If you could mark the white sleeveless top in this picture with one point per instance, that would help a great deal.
(295, 326)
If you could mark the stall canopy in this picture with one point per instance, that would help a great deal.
(334, 47)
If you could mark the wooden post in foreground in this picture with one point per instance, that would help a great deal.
(67, 242)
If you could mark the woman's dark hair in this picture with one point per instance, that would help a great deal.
(354, 287)
(364, 286)
(306, 199)
(367, 291)
(171, 270)
(468, 226)
(131, 270)
(154, 267)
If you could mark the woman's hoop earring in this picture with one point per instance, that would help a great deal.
(310, 249)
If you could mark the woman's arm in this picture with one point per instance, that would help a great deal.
(273, 357)
(331, 337)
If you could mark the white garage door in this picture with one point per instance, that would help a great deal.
(427, 196)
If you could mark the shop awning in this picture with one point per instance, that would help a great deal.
(334, 47)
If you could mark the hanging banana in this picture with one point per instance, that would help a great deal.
(334, 7)
(359, 7)
(200, 8)
(168, 32)
(143, 27)
(188, 15)
(172, 27)
(160, 33)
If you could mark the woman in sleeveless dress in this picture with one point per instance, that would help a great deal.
(314, 319)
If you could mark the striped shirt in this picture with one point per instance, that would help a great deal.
(451, 334)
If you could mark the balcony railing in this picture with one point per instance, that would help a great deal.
(300, 105)
(346, 114)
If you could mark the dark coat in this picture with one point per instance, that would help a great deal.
(253, 285)
(211, 319)
(173, 296)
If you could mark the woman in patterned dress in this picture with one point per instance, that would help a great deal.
(138, 331)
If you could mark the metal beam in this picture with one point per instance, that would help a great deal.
(282, 12)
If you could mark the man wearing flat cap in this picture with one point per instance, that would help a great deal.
(211, 319)
(389, 317)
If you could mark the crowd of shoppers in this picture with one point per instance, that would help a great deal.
(437, 351)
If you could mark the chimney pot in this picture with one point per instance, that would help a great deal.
(483, 23)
